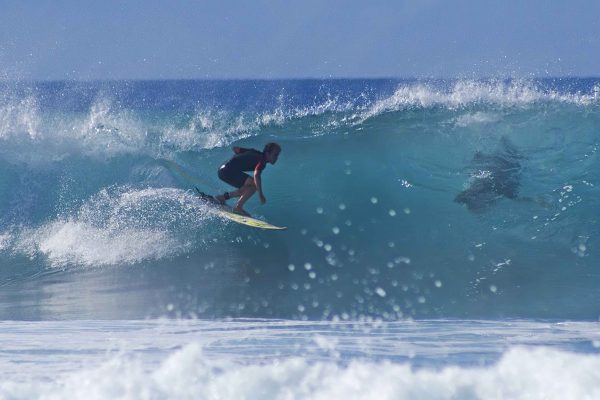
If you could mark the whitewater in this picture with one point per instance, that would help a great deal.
(442, 240)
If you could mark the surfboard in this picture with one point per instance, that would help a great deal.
(227, 213)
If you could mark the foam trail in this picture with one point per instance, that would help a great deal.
(118, 226)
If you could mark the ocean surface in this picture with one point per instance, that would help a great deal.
(442, 242)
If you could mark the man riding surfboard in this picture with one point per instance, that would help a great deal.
(233, 173)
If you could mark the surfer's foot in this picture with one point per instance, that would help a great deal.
(241, 211)
(220, 199)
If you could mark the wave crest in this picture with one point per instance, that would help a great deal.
(469, 92)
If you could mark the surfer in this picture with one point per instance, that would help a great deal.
(232, 172)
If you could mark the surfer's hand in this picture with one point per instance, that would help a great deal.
(263, 199)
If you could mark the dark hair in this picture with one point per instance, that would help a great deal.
(271, 146)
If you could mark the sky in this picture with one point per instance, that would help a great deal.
(261, 39)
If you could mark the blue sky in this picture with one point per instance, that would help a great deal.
(151, 39)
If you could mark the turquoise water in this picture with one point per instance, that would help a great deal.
(367, 182)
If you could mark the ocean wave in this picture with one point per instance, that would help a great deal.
(521, 373)
(355, 218)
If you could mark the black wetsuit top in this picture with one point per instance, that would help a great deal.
(245, 160)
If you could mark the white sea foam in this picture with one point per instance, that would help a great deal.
(29, 136)
(118, 226)
(209, 129)
(74, 242)
(19, 117)
(205, 130)
(466, 92)
(522, 373)
(5, 240)
(107, 131)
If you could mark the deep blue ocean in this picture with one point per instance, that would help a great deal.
(413, 207)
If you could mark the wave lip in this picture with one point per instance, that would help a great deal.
(28, 134)
(469, 92)
(111, 125)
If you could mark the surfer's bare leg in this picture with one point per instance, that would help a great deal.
(244, 193)
(248, 192)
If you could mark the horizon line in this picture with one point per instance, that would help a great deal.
(389, 78)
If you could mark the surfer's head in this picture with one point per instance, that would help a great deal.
(271, 152)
